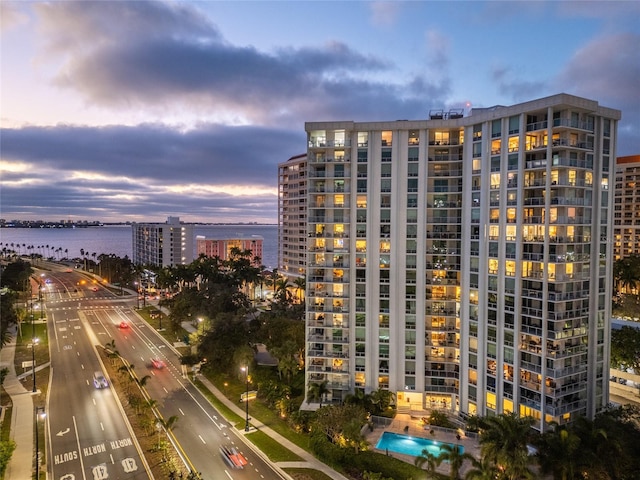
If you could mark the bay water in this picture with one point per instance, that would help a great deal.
(117, 239)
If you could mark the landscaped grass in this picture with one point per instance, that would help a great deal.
(221, 407)
(5, 428)
(233, 388)
(275, 451)
(271, 448)
(24, 353)
(306, 474)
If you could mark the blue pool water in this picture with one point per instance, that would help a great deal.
(395, 442)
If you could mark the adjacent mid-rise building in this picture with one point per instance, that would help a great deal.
(292, 216)
(163, 244)
(222, 247)
(626, 221)
(462, 261)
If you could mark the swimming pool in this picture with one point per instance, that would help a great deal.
(407, 445)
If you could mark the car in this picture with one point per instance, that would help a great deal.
(157, 363)
(99, 381)
(94, 289)
(123, 324)
(233, 457)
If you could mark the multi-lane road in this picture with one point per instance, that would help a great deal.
(89, 437)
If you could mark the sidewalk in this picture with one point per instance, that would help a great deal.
(22, 417)
(309, 460)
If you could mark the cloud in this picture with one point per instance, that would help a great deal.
(145, 51)
(384, 14)
(607, 69)
(511, 86)
(11, 17)
(229, 155)
(599, 10)
(213, 172)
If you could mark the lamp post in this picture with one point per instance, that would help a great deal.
(40, 287)
(40, 413)
(201, 322)
(34, 342)
(246, 400)
(137, 295)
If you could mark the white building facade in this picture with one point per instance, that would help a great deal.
(626, 226)
(292, 216)
(163, 244)
(464, 262)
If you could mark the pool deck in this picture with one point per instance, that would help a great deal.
(406, 425)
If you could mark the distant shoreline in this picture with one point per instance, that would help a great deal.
(34, 225)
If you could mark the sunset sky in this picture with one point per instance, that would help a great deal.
(133, 110)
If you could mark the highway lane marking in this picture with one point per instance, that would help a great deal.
(102, 426)
(202, 439)
(228, 475)
(75, 428)
(165, 390)
(180, 410)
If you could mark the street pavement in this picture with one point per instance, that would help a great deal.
(23, 416)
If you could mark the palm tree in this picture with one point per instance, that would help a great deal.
(426, 457)
(358, 397)
(484, 469)
(598, 453)
(317, 391)
(281, 291)
(143, 381)
(169, 423)
(301, 286)
(453, 454)
(381, 399)
(151, 404)
(626, 272)
(504, 442)
(559, 452)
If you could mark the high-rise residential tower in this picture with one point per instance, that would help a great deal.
(626, 222)
(292, 216)
(463, 261)
(163, 244)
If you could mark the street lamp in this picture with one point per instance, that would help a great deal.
(201, 322)
(34, 342)
(40, 413)
(246, 400)
(40, 288)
